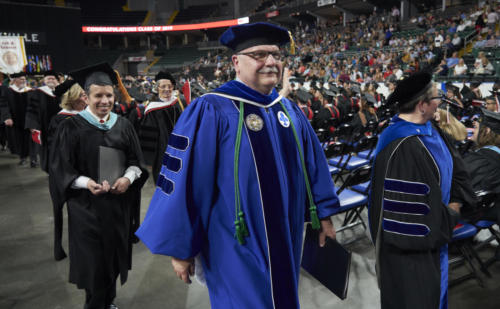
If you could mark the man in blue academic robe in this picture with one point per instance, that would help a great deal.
(242, 172)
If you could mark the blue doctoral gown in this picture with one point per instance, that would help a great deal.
(193, 208)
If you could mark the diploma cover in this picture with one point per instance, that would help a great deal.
(111, 164)
(330, 264)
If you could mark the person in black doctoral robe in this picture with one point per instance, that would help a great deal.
(159, 121)
(417, 188)
(42, 106)
(13, 113)
(483, 164)
(97, 170)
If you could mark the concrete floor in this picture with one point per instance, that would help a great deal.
(30, 278)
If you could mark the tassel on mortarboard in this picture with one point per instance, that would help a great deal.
(292, 43)
(123, 90)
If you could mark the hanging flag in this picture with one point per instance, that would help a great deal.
(186, 91)
(12, 54)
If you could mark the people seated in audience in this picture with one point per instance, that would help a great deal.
(460, 68)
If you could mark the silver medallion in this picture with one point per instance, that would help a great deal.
(254, 122)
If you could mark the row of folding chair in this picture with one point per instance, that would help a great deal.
(462, 240)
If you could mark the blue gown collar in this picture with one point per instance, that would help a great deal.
(399, 128)
(238, 90)
(106, 126)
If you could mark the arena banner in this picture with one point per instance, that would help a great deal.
(12, 54)
(169, 28)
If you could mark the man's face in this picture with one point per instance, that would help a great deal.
(429, 108)
(165, 89)
(100, 100)
(50, 81)
(20, 82)
(491, 105)
(258, 71)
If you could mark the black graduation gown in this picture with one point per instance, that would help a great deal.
(41, 108)
(321, 119)
(100, 227)
(357, 125)
(156, 127)
(483, 166)
(409, 272)
(135, 116)
(14, 107)
(3, 136)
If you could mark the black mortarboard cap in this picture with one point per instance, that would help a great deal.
(50, 73)
(410, 88)
(491, 120)
(137, 95)
(370, 99)
(165, 75)
(356, 88)
(303, 96)
(328, 93)
(16, 75)
(101, 74)
(334, 88)
(62, 88)
(241, 37)
(475, 84)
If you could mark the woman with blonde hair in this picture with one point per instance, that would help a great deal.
(450, 125)
(73, 101)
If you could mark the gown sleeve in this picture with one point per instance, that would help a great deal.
(61, 176)
(322, 187)
(179, 210)
(33, 111)
(149, 134)
(413, 214)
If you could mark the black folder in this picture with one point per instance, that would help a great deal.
(330, 265)
(111, 164)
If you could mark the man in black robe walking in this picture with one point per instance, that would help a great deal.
(97, 169)
(42, 106)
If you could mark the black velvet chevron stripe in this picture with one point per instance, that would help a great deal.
(402, 207)
(408, 187)
(178, 142)
(172, 163)
(165, 184)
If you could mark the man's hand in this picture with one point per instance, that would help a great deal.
(327, 230)
(183, 268)
(120, 186)
(455, 206)
(98, 189)
(287, 88)
(9, 122)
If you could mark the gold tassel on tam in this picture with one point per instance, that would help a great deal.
(292, 43)
(122, 89)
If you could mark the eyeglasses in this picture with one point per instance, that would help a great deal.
(261, 55)
(440, 98)
(166, 87)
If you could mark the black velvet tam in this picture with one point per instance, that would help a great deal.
(241, 37)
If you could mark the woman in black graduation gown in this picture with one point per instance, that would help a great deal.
(483, 164)
(365, 115)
